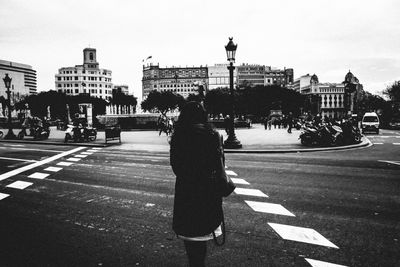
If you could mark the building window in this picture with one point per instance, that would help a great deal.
(91, 56)
(76, 91)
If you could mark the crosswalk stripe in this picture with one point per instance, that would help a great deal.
(316, 263)
(301, 234)
(3, 196)
(269, 208)
(73, 159)
(80, 156)
(38, 175)
(87, 153)
(19, 185)
(53, 169)
(239, 181)
(396, 144)
(63, 163)
(250, 192)
(231, 173)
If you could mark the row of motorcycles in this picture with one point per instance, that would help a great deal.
(330, 134)
(34, 127)
(79, 133)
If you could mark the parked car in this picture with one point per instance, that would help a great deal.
(370, 123)
(395, 124)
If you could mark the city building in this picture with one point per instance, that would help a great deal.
(218, 76)
(87, 78)
(121, 88)
(301, 82)
(253, 75)
(23, 80)
(180, 80)
(331, 96)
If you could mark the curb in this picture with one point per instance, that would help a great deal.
(365, 143)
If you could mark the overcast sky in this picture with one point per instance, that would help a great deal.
(311, 36)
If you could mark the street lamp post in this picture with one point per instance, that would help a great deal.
(231, 141)
(7, 82)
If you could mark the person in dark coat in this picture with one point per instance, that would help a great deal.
(194, 155)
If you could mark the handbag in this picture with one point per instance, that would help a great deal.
(224, 185)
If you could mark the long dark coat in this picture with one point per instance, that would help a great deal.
(194, 156)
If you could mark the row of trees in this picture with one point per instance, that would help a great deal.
(258, 101)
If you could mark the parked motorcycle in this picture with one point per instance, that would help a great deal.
(80, 133)
(36, 129)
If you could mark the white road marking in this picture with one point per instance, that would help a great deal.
(250, 192)
(19, 185)
(3, 196)
(63, 163)
(80, 156)
(391, 162)
(37, 164)
(26, 160)
(315, 263)
(96, 148)
(269, 208)
(15, 145)
(378, 143)
(73, 159)
(239, 181)
(231, 173)
(87, 153)
(53, 169)
(92, 150)
(396, 144)
(300, 234)
(38, 175)
(23, 148)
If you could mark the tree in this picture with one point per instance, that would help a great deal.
(217, 101)
(393, 91)
(162, 102)
(121, 99)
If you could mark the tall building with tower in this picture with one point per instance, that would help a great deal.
(87, 78)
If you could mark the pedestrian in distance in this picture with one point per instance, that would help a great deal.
(290, 122)
(195, 153)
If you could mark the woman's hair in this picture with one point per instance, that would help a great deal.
(192, 113)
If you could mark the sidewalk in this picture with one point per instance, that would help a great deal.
(254, 140)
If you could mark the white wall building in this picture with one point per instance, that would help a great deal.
(23, 80)
(87, 78)
(218, 76)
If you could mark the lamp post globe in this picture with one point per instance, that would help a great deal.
(7, 83)
(231, 141)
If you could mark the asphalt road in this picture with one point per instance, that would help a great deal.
(114, 208)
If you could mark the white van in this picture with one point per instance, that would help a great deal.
(370, 123)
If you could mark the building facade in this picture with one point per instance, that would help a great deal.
(85, 79)
(23, 80)
(122, 89)
(218, 76)
(254, 75)
(180, 80)
(334, 101)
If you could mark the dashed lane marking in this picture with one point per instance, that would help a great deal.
(38, 175)
(81, 156)
(269, 208)
(300, 234)
(396, 144)
(26, 160)
(250, 192)
(53, 169)
(63, 163)
(87, 153)
(231, 173)
(316, 263)
(37, 164)
(19, 185)
(3, 196)
(391, 162)
(239, 181)
(73, 159)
